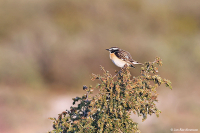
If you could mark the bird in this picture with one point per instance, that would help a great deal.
(121, 57)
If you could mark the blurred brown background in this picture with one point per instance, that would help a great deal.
(50, 48)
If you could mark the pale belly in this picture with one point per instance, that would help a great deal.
(117, 61)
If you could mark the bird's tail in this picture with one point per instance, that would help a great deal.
(136, 63)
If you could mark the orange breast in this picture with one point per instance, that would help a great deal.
(113, 56)
(118, 62)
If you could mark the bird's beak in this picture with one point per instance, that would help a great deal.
(108, 49)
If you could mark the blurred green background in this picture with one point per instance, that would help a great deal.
(50, 48)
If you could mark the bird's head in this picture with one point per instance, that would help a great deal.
(113, 49)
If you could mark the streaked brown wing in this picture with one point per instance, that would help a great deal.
(124, 55)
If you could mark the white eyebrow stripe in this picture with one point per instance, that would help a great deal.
(115, 48)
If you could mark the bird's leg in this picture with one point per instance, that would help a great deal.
(124, 67)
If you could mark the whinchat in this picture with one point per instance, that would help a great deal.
(121, 57)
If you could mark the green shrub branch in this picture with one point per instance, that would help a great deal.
(109, 110)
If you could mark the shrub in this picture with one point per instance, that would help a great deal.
(109, 110)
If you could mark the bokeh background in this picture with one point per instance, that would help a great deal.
(50, 48)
